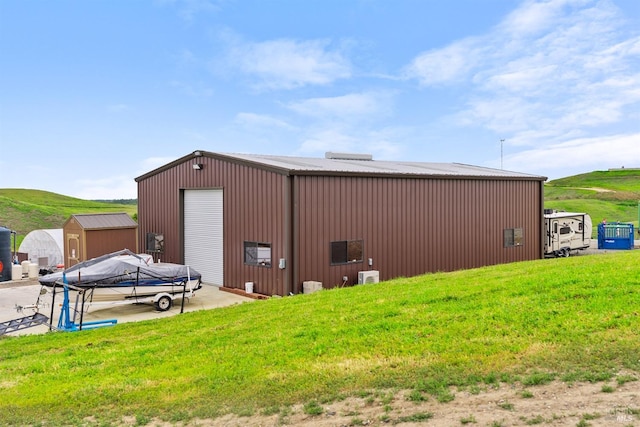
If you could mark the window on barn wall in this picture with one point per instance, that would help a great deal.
(257, 253)
(155, 242)
(346, 251)
(513, 237)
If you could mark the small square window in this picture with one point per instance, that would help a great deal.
(513, 237)
(256, 253)
(346, 251)
(155, 242)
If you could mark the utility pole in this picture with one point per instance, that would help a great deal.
(501, 152)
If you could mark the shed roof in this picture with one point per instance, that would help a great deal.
(341, 164)
(104, 220)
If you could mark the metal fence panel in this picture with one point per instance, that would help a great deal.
(615, 236)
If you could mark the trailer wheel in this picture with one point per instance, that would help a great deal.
(164, 303)
(564, 252)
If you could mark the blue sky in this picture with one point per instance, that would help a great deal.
(96, 93)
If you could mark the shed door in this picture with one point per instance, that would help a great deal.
(203, 234)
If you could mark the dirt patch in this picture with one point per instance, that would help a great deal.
(596, 189)
(555, 404)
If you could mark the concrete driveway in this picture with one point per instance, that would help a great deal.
(25, 293)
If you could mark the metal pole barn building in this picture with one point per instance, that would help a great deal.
(279, 221)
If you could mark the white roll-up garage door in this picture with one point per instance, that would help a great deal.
(203, 234)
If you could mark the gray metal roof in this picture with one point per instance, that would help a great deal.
(344, 164)
(104, 220)
(377, 167)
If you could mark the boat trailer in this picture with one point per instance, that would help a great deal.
(66, 321)
(23, 323)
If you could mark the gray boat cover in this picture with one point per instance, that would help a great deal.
(121, 268)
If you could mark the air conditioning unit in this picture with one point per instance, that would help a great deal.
(371, 276)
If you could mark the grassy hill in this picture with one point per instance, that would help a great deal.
(572, 319)
(613, 195)
(27, 210)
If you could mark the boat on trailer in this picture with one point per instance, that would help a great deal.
(127, 277)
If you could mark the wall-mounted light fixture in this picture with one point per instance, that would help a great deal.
(197, 166)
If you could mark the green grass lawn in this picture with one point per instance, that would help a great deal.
(574, 319)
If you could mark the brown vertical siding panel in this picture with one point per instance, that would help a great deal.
(409, 226)
(439, 225)
(430, 226)
(304, 219)
(104, 241)
(369, 225)
(483, 223)
(312, 197)
(454, 208)
(252, 202)
(405, 215)
(407, 218)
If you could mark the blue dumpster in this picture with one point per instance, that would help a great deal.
(615, 235)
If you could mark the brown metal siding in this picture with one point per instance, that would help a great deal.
(89, 244)
(409, 225)
(254, 206)
(413, 226)
(100, 242)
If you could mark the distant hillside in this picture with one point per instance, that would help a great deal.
(619, 180)
(27, 210)
(613, 195)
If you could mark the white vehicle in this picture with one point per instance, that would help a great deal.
(566, 232)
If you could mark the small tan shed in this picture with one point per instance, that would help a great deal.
(88, 236)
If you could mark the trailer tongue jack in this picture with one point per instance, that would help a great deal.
(66, 322)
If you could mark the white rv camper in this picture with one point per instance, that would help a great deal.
(566, 232)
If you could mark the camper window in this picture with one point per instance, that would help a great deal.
(565, 230)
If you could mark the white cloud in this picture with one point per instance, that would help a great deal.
(551, 71)
(536, 16)
(327, 140)
(260, 120)
(289, 64)
(382, 144)
(196, 90)
(446, 65)
(115, 187)
(345, 106)
(580, 154)
(151, 163)
(188, 9)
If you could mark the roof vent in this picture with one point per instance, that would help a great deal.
(347, 156)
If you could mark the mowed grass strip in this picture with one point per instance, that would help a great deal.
(575, 318)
